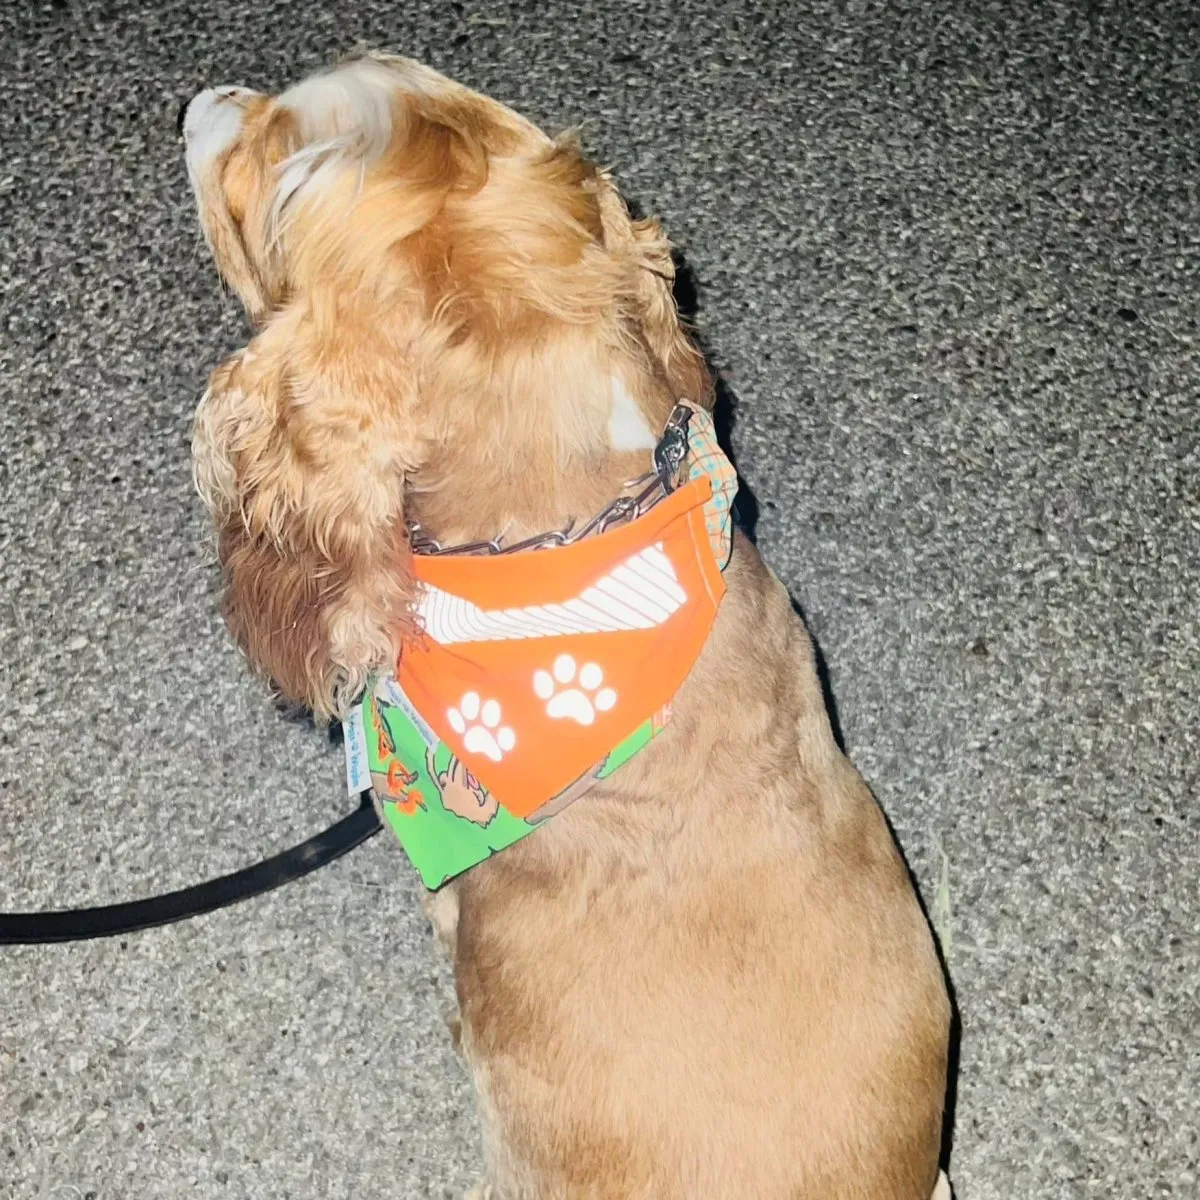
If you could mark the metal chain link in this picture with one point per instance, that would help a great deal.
(655, 485)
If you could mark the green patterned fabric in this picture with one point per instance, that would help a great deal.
(443, 817)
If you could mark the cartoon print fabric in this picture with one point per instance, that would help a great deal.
(443, 816)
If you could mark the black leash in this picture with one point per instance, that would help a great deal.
(80, 924)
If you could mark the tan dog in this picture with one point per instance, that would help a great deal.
(710, 976)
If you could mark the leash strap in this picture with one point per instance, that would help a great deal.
(109, 920)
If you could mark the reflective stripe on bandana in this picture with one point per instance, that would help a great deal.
(540, 672)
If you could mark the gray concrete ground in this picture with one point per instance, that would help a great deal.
(947, 257)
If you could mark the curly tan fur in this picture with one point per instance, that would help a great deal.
(422, 315)
(711, 976)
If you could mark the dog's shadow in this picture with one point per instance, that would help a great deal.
(746, 512)
(687, 300)
(746, 507)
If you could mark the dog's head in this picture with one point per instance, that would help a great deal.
(456, 321)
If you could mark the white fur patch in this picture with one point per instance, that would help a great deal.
(352, 101)
(627, 428)
(211, 125)
(345, 116)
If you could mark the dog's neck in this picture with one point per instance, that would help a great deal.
(552, 439)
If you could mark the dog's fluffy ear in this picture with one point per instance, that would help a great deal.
(667, 337)
(302, 466)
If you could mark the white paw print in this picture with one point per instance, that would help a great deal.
(574, 702)
(478, 723)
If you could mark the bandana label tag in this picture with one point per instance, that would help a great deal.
(355, 741)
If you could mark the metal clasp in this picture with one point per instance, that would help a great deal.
(671, 451)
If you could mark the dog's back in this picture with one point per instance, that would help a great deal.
(711, 978)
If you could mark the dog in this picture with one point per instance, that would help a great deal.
(708, 975)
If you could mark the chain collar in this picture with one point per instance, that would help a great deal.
(648, 489)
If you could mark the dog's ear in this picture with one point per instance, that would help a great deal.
(302, 465)
(665, 333)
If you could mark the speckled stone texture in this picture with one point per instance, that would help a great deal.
(947, 257)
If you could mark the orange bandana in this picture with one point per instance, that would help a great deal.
(542, 671)
(533, 666)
